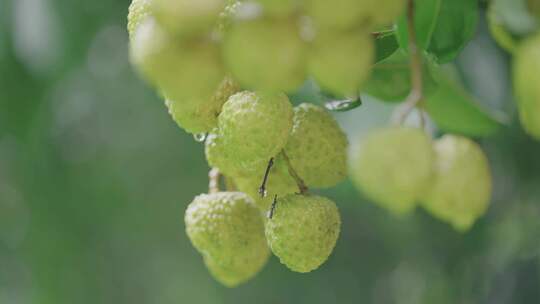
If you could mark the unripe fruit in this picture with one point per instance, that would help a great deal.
(317, 147)
(338, 14)
(382, 12)
(279, 183)
(526, 79)
(255, 126)
(227, 229)
(279, 8)
(138, 11)
(200, 116)
(341, 62)
(188, 17)
(264, 55)
(393, 167)
(303, 231)
(462, 183)
(182, 70)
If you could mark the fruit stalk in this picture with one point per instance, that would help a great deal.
(262, 188)
(416, 94)
(299, 181)
(213, 180)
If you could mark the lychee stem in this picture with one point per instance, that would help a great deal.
(416, 94)
(213, 180)
(262, 188)
(299, 181)
(272, 208)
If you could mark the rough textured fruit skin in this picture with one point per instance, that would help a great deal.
(303, 231)
(341, 62)
(265, 55)
(255, 126)
(227, 229)
(393, 167)
(181, 70)
(526, 79)
(188, 17)
(200, 116)
(317, 147)
(279, 183)
(138, 11)
(462, 183)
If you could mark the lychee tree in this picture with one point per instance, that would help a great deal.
(233, 72)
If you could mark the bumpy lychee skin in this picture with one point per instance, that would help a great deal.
(200, 116)
(526, 79)
(188, 17)
(182, 70)
(341, 62)
(317, 147)
(279, 183)
(138, 11)
(303, 231)
(265, 55)
(462, 183)
(255, 126)
(393, 167)
(227, 229)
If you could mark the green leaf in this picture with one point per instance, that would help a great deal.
(343, 105)
(456, 25)
(426, 13)
(456, 111)
(390, 79)
(385, 45)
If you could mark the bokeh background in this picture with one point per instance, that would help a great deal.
(95, 178)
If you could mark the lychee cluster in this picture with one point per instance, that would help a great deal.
(400, 168)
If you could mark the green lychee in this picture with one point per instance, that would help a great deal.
(200, 116)
(317, 147)
(188, 17)
(341, 62)
(279, 8)
(255, 126)
(338, 14)
(182, 70)
(265, 55)
(393, 167)
(462, 182)
(227, 229)
(526, 79)
(139, 10)
(303, 231)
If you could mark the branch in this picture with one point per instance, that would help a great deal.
(262, 188)
(299, 181)
(416, 94)
(213, 180)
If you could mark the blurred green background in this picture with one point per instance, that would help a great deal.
(95, 178)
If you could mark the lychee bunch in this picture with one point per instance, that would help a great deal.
(303, 231)
(227, 229)
(393, 167)
(462, 186)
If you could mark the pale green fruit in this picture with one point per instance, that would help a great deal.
(303, 231)
(182, 70)
(382, 12)
(255, 126)
(462, 183)
(341, 62)
(265, 55)
(200, 116)
(138, 11)
(279, 183)
(317, 147)
(337, 14)
(227, 229)
(226, 18)
(279, 8)
(393, 167)
(526, 80)
(188, 17)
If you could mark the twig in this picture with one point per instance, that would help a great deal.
(262, 188)
(299, 181)
(416, 94)
(272, 208)
(213, 180)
